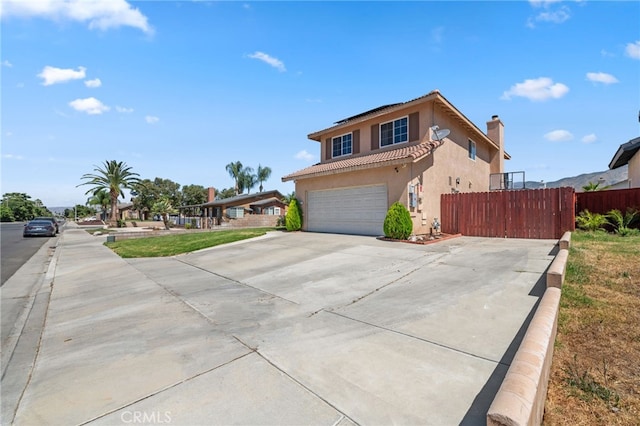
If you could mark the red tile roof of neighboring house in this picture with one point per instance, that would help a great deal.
(387, 157)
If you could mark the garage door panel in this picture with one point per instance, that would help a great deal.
(356, 210)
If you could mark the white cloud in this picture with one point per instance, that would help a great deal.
(559, 136)
(7, 64)
(98, 14)
(601, 77)
(555, 17)
(91, 106)
(151, 119)
(124, 110)
(52, 75)
(633, 50)
(590, 138)
(274, 62)
(542, 3)
(606, 54)
(552, 12)
(12, 157)
(539, 89)
(93, 83)
(304, 155)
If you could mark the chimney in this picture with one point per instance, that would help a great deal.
(211, 194)
(495, 132)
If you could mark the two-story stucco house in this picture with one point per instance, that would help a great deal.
(393, 153)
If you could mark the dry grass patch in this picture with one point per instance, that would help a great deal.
(595, 376)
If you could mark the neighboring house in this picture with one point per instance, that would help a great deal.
(264, 203)
(628, 153)
(126, 211)
(392, 153)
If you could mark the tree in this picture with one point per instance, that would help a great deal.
(164, 208)
(113, 177)
(247, 180)
(22, 208)
(194, 194)
(225, 193)
(79, 211)
(591, 187)
(287, 198)
(166, 188)
(6, 215)
(263, 174)
(397, 223)
(293, 219)
(235, 171)
(100, 198)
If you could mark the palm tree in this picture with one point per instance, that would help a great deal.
(247, 180)
(164, 208)
(100, 198)
(113, 177)
(590, 187)
(235, 171)
(263, 174)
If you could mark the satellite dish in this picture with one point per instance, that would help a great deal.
(440, 134)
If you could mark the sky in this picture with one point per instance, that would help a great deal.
(180, 89)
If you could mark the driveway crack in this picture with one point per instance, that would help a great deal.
(236, 281)
(354, 301)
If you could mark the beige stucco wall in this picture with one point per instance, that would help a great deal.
(437, 173)
(634, 171)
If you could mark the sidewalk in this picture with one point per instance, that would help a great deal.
(325, 335)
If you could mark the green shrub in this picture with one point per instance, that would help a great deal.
(293, 220)
(187, 226)
(591, 221)
(622, 222)
(121, 223)
(397, 223)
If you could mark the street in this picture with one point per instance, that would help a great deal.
(16, 250)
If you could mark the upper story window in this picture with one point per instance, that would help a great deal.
(342, 145)
(394, 132)
(472, 149)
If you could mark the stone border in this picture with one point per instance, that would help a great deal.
(521, 398)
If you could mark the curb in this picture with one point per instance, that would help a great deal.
(521, 398)
(23, 345)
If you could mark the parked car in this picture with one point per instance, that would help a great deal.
(37, 228)
(53, 220)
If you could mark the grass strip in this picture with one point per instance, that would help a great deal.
(171, 245)
(594, 376)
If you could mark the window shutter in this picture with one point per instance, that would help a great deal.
(356, 141)
(414, 127)
(328, 149)
(375, 137)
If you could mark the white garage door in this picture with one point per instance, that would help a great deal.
(358, 210)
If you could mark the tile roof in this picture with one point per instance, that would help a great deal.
(380, 158)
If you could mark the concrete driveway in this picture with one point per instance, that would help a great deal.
(290, 328)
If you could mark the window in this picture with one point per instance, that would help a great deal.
(272, 211)
(394, 132)
(472, 149)
(342, 145)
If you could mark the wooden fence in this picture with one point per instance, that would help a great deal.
(605, 201)
(534, 213)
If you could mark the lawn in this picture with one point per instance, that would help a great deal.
(171, 245)
(595, 375)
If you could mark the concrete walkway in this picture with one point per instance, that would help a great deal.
(290, 328)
